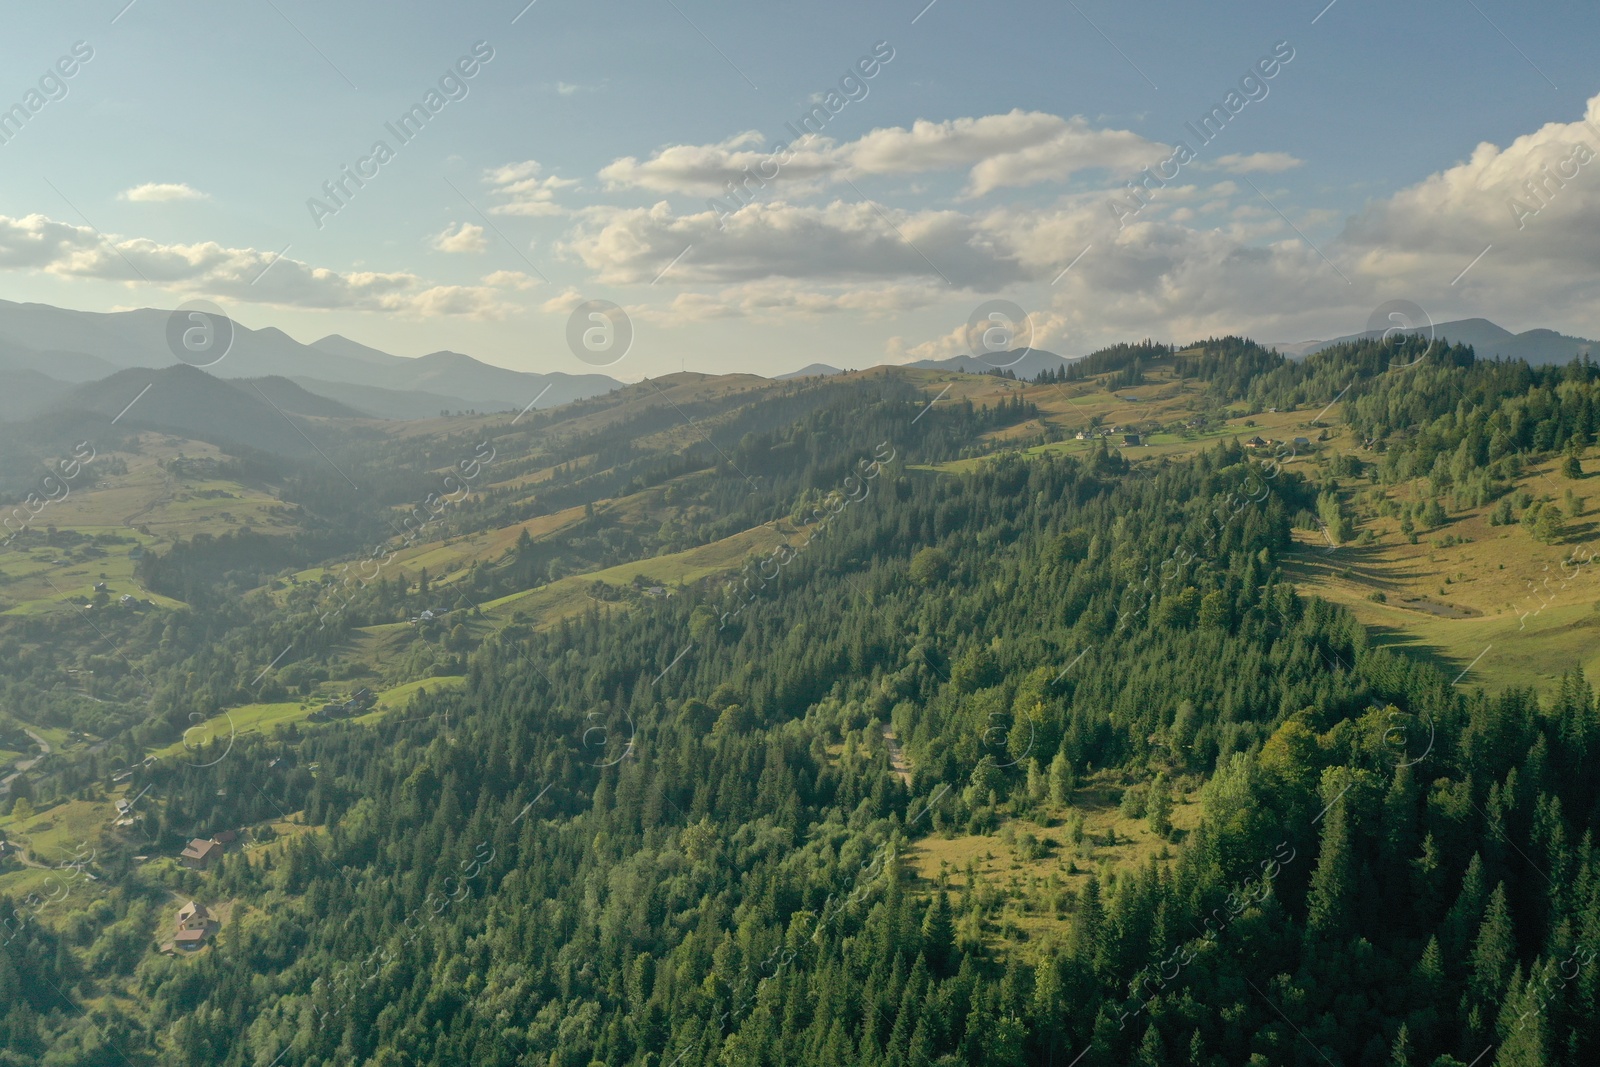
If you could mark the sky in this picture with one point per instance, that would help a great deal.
(1442, 152)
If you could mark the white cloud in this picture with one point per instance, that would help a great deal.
(159, 192)
(1049, 332)
(1018, 148)
(246, 275)
(1015, 149)
(1164, 274)
(563, 302)
(525, 192)
(510, 279)
(781, 301)
(466, 238)
(1536, 201)
(705, 170)
(835, 242)
(1254, 163)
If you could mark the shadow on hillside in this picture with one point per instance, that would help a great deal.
(1364, 563)
(1399, 639)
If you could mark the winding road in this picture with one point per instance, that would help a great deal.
(26, 764)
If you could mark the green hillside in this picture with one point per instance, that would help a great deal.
(871, 719)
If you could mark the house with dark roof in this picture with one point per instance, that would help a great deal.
(200, 854)
(195, 925)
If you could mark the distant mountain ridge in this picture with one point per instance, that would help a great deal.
(810, 370)
(1488, 341)
(183, 400)
(1023, 362)
(82, 346)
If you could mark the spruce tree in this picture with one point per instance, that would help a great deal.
(1400, 1055)
(1494, 951)
(1328, 908)
(1158, 810)
(1524, 1027)
(1061, 779)
(938, 935)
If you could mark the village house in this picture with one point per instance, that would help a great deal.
(200, 853)
(195, 925)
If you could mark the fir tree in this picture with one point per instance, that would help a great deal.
(1328, 909)
(1494, 951)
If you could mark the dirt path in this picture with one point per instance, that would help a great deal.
(897, 756)
(25, 764)
(168, 491)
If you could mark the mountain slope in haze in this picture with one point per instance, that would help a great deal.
(25, 392)
(381, 403)
(1023, 362)
(59, 364)
(496, 388)
(189, 402)
(1488, 341)
(291, 397)
(127, 339)
(810, 370)
(342, 346)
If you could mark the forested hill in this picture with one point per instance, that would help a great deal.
(753, 823)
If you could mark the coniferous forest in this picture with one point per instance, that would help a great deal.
(747, 820)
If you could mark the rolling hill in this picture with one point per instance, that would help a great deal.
(1023, 362)
(189, 402)
(1488, 340)
(81, 346)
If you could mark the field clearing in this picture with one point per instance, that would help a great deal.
(169, 504)
(1489, 651)
(453, 557)
(1155, 445)
(689, 387)
(208, 741)
(569, 596)
(60, 891)
(527, 480)
(1026, 885)
(486, 545)
(399, 697)
(1469, 589)
(449, 560)
(149, 503)
(60, 835)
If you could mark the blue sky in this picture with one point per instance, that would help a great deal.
(982, 159)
